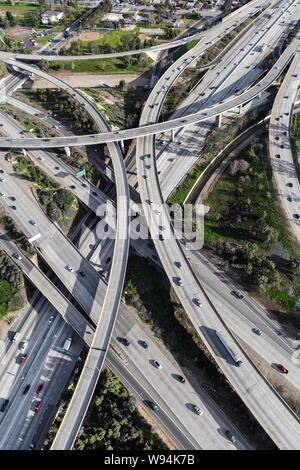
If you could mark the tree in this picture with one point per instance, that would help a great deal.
(10, 18)
(122, 84)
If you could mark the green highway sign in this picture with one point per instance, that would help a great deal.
(81, 173)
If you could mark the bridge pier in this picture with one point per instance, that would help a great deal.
(240, 108)
(24, 152)
(122, 146)
(219, 120)
(67, 150)
(172, 135)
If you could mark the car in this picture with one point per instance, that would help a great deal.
(143, 157)
(177, 264)
(12, 198)
(2, 180)
(282, 146)
(180, 379)
(277, 155)
(1, 171)
(145, 177)
(144, 344)
(31, 446)
(276, 138)
(237, 294)
(72, 186)
(13, 207)
(39, 389)
(94, 193)
(82, 273)
(197, 410)
(290, 198)
(290, 185)
(56, 168)
(257, 331)
(37, 406)
(24, 346)
(197, 302)
(41, 158)
(125, 342)
(180, 283)
(282, 368)
(17, 256)
(69, 268)
(83, 185)
(22, 132)
(2, 193)
(156, 364)
(51, 319)
(108, 260)
(153, 405)
(23, 359)
(296, 216)
(150, 202)
(230, 436)
(32, 222)
(15, 337)
(26, 389)
(4, 405)
(161, 237)
(157, 211)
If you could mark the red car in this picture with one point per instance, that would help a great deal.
(276, 138)
(37, 406)
(282, 368)
(39, 389)
(23, 359)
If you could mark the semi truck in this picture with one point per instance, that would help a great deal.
(237, 360)
(67, 344)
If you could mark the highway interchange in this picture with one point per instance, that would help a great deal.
(170, 249)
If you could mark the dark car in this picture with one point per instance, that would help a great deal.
(237, 294)
(277, 155)
(39, 389)
(23, 359)
(230, 436)
(83, 185)
(37, 406)
(12, 198)
(296, 216)
(125, 341)
(290, 185)
(181, 379)
(144, 344)
(72, 186)
(82, 274)
(13, 207)
(282, 368)
(4, 405)
(26, 389)
(152, 405)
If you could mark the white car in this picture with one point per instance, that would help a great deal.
(69, 268)
(156, 364)
(16, 255)
(24, 346)
(197, 410)
(2, 194)
(51, 319)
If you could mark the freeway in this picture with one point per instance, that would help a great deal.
(284, 172)
(247, 381)
(244, 13)
(150, 129)
(66, 309)
(240, 317)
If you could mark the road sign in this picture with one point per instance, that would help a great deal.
(68, 353)
(81, 173)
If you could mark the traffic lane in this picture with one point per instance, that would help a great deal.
(180, 398)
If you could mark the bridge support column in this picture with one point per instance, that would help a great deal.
(67, 150)
(258, 96)
(240, 108)
(172, 135)
(219, 120)
(122, 146)
(24, 152)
